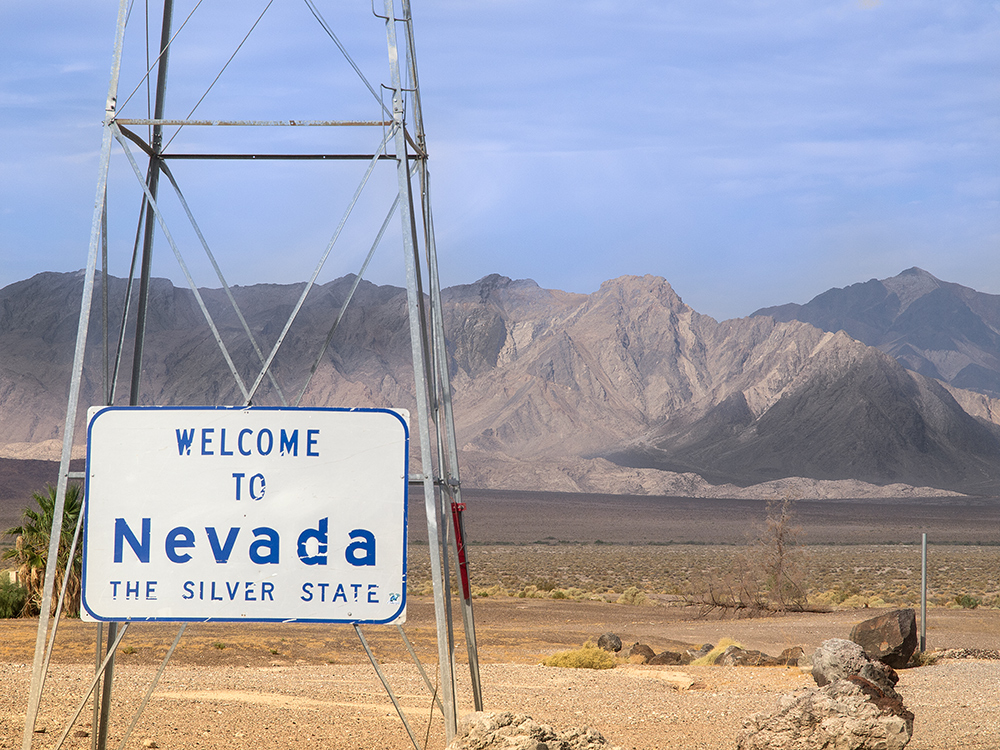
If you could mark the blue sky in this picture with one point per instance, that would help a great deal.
(752, 153)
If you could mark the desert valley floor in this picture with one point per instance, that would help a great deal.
(311, 686)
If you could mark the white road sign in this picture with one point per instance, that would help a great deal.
(253, 514)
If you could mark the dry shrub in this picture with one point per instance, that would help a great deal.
(634, 596)
(589, 656)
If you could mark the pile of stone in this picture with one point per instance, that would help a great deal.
(508, 731)
(854, 704)
(733, 656)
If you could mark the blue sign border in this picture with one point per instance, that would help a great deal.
(350, 621)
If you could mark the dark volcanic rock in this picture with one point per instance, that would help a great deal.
(890, 638)
(668, 658)
(640, 651)
(610, 642)
(700, 652)
(734, 656)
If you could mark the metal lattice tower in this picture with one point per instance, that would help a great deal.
(148, 146)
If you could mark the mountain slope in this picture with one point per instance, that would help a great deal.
(543, 380)
(939, 329)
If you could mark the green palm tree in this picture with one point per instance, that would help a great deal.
(31, 550)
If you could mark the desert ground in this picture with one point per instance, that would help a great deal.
(548, 575)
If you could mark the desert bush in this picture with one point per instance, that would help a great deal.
(12, 598)
(633, 596)
(831, 574)
(924, 658)
(589, 656)
(778, 557)
(967, 602)
(495, 590)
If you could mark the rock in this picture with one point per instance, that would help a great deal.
(836, 659)
(680, 681)
(734, 656)
(880, 674)
(849, 713)
(610, 642)
(790, 657)
(703, 651)
(667, 657)
(640, 653)
(507, 731)
(890, 638)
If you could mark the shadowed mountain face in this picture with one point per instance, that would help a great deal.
(541, 377)
(939, 329)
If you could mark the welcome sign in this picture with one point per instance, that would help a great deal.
(254, 514)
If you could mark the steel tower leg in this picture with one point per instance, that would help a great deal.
(418, 343)
(445, 422)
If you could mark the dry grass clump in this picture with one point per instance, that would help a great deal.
(712, 656)
(633, 596)
(534, 592)
(588, 656)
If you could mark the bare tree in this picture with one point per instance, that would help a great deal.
(766, 576)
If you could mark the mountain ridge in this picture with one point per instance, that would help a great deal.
(546, 383)
(940, 329)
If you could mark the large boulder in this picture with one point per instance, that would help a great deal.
(640, 653)
(672, 658)
(836, 659)
(734, 656)
(889, 638)
(508, 731)
(610, 642)
(850, 713)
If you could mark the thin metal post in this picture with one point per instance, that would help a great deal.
(106, 686)
(96, 718)
(445, 421)
(420, 667)
(923, 593)
(388, 689)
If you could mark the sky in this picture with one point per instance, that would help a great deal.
(751, 152)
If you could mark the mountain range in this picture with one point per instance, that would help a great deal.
(626, 389)
(940, 329)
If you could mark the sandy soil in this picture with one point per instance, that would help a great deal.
(311, 686)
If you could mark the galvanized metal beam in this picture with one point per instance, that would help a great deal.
(418, 346)
(69, 426)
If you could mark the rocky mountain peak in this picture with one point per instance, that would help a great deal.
(910, 285)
